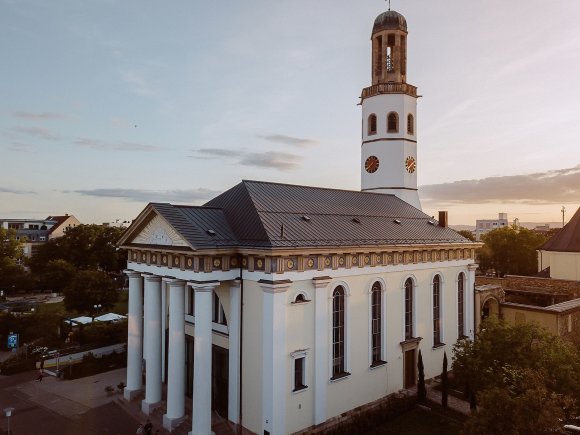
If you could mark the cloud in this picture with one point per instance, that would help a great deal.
(271, 159)
(268, 159)
(144, 195)
(550, 187)
(138, 84)
(288, 140)
(114, 146)
(42, 133)
(15, 191)
(41, 116)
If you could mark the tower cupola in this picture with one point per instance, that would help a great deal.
(389, 39)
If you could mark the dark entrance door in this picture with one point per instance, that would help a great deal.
(220, 376)
(409, 368)
(189, 366)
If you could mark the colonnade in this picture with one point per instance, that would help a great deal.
(146, 327)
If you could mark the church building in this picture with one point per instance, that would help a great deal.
(280, 307)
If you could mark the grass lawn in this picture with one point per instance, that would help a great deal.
(419, 421)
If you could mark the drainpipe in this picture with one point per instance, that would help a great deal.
(239, 429)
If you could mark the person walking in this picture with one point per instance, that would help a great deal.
(40, 375)
(148, 427)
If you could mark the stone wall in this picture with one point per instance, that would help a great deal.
(513, 282)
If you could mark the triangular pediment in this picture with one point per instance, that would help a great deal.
(152, 229)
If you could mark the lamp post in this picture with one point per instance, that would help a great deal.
(8, 413)
(97, 308)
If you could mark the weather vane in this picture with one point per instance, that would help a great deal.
(389, 4)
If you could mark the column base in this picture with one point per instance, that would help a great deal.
(148, 408)
(170, 423)
(129, 394)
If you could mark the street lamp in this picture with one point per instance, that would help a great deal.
(97, 308)
(8, 413)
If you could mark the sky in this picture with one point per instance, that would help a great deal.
(108, 105)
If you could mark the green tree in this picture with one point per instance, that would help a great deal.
(444, 383)
(58, 275)
(421, 390)
(510, 357)
(467, 234)
(12, 275)
(89, 288)
(523, 406)
(86, 247)
(510, 250)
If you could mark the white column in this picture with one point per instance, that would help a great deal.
(470, 302)
(153, 348)
(164, 282)
(134, 335)
(176, 360)
(321, 353)
(234, 329)
(274, 357)
(201, 415)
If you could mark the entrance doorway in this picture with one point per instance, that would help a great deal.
(220, 376)
(409, 374)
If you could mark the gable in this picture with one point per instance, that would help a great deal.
(158, 232)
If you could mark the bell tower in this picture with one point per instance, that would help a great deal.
(389, 110)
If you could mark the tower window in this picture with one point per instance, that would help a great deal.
(379, 52)
(392, 122)
(410, 124)
(372, 127)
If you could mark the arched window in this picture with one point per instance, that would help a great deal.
(376, 325)
(392, 122)
(436, 310)
(409, 309)
(410, 124)
(338, 333)
(372, 124)
(460, 305)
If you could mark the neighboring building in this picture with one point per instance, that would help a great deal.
(559, 257)
(552, 303)
(34, 232)
(292, 305)
(483, 226)
(117, 224)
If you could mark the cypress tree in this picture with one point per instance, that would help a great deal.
(444, 383)
(421, 390)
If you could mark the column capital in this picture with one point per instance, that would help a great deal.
(203, 286)
(275, 286)
(174, 282)
(236, 283)
(472, 267)
(132, 273)
(151, 278)
(321, 281)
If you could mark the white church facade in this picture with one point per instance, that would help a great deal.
(281, 306)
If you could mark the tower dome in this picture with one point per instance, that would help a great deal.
(390, 20)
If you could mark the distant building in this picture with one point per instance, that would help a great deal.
(117, 224)
(34, 232)
(559, 257)
(483, 226)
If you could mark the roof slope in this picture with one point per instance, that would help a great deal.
(567, 239)
(266, 214)
(193, 224)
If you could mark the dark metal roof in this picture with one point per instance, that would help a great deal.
(193, 224)
(567, 239)
(266, 214)
(390, 20)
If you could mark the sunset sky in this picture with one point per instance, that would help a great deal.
(108, 105)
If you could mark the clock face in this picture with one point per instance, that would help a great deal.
(410, 164)
(372, 164)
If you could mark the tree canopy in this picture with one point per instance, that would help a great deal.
(12, 274)
(467, 234)
(512, 369)
(510, 250)
(84, 247)
(89, 288)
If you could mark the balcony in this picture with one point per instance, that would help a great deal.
(389, 88)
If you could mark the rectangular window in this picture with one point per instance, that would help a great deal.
(299, 374)
(191, 302)
(218, 316)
